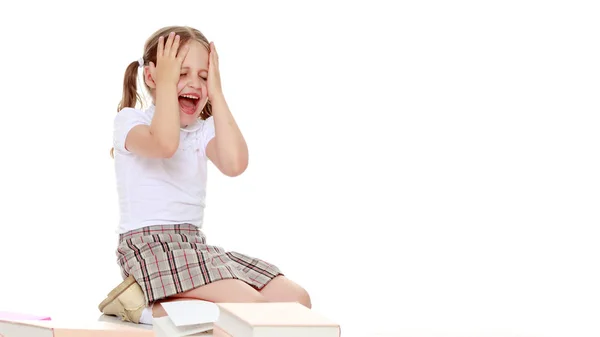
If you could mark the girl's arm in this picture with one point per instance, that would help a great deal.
(160, 139)
(228, 149)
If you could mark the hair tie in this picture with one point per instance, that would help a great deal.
(141, 62)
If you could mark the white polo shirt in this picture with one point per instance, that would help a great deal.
(161, 191)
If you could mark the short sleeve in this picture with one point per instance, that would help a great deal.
(125, 120)
(207, 132)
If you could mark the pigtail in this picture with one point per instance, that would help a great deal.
(130, 93)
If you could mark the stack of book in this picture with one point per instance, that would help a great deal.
(15, 316)
(50, 328)
(201, 318)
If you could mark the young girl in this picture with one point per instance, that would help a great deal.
(161, 156)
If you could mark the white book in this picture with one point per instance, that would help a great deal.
(186, 319)
(273, 320)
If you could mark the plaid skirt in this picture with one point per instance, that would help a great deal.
(170, 259)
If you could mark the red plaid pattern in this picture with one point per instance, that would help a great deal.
(170, 259)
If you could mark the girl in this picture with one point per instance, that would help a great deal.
(161, 156)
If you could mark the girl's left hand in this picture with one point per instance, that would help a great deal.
(214, 76)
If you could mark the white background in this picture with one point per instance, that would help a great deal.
(419, 164)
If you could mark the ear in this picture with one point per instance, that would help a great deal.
(149, 72)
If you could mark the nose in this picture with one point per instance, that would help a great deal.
(196, 82)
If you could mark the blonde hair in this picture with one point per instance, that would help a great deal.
(131, 95)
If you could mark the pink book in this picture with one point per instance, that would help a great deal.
(273, 319)
(45, 328)
(15, 316)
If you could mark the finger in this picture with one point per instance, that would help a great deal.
(169, 43)
(160, 49)
(183, 51)
(212, 50)
(214, 53)
(211, 58)
(175, 47)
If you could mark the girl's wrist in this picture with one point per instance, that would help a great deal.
(217, 99)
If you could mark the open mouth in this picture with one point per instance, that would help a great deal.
(188, 103)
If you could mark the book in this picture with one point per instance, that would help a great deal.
(283, 319)
(218, 332)
(186, 319)
(14, 316)
(46, 328)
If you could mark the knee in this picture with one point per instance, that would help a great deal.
(304, 298)
(258, 298)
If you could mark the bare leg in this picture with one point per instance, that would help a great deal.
(229, 290)
(282, 289)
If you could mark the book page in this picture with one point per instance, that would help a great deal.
(164, 327)
(191, 312)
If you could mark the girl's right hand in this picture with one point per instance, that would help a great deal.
(168, 60)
